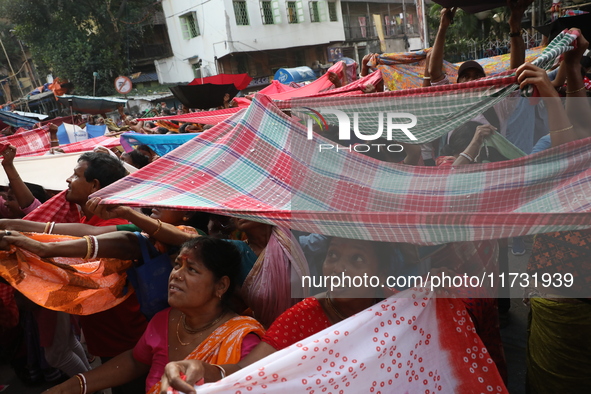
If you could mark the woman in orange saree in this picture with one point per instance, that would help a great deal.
(199, 323)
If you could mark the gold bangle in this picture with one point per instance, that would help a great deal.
(81, 383)
(575, 91)
(46, 227)
(561, 130)
(88, 247)
(159, 227)
(222, 370)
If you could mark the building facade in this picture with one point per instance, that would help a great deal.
(253, 36)
(258, 37)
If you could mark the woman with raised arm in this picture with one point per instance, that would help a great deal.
(200, 323)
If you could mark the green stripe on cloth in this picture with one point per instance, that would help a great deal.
(264, 168)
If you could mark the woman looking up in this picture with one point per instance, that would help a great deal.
(198, 325)
(344, 256)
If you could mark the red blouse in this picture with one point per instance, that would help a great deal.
(298, 322)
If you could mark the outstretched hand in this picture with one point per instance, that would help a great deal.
(182, 376)
(15, 238)
(528, 74)
(573, 57)
(9, 154)
(106, 212)
(446, 16)
(482, 132)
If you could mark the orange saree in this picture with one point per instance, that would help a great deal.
(223, 346)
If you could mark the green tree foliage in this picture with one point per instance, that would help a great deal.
(467, 30)
(11, 46)
(74, 38)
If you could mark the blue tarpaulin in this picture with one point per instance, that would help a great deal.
(160, 143)
(16, 120)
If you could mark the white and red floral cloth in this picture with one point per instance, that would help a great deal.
(414, 342)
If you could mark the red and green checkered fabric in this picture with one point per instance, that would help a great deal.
(261, 166)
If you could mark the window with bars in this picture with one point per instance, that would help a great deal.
(241, 13)
(189, 25)
(332, 11)
(314, 13)
(292, 13)
(267, 13)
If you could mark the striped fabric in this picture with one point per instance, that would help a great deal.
(203, 117)
(264, 168)
(29, 143)
(439, 109)
(90, 144)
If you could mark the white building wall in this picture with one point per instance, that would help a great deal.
(220, 35)
(258, 36)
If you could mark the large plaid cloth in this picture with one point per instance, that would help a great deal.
(264, 168)
(31, 142)
(438, 109)
(56, 209)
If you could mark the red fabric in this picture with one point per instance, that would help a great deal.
(8, 308)
(317, 86)
(97, 221)
(56, 209)
(202, 117)
(240, 81)
(118, 329)
(298, 322)
(29, 142)
(46, 321)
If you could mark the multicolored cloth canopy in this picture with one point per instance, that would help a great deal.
(263, 167)
(406, 70)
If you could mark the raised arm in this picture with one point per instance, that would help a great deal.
(119, 244)
(160, 231)
(426, 74)
(23, 195)
(74, 229)
(577, 104)
(436, 63)
(517, 8)
(561, 129)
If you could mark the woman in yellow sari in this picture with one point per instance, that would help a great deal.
(199, 325)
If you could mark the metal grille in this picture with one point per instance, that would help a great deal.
(292, 13)
(314, 14)
(332, 11)
(267, 13)
(241, 13)
(189, 26)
